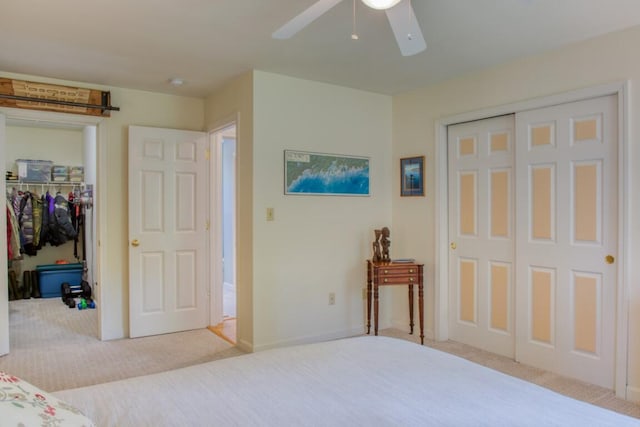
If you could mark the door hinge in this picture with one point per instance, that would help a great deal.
(207, 154)
(207, 225)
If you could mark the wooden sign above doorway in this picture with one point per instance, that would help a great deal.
(50, 97)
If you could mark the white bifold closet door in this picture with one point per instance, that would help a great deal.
(533, 231)
(566, 246)
(481, 229)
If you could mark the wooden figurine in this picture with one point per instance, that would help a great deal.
(385, 243)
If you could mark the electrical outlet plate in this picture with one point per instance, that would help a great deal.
(332, 298)
(270, 216)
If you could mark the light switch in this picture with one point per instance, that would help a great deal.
(269, 214)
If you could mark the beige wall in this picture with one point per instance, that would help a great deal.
(136, 108)
(317, 244)
(606, 59)
(234, 102)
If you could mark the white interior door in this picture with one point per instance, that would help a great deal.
(168, 205)
(481, 229)
(566, 243)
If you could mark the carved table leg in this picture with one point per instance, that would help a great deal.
(411, 308)
(421, 305)
(375, 308)
(368, 298)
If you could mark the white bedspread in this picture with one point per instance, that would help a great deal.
(372, 381)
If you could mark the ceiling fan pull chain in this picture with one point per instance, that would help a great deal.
(354, 33)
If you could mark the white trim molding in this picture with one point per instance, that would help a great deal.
(76, 121)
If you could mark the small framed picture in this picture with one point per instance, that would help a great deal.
(412, 176)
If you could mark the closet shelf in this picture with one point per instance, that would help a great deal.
(48, 183)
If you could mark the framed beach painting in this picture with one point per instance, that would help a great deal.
(307, 173)
(412, 176)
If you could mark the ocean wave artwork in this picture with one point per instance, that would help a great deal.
(312, 173)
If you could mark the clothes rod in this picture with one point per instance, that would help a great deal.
(58, 102)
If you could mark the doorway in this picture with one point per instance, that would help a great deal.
(70, 151)
(224, 295)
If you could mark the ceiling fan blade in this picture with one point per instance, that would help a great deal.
(406, 28)
(305, 18)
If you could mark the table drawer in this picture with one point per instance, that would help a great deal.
(404, 270)
(398, 279)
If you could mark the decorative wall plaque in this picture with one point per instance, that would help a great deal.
(50, 97)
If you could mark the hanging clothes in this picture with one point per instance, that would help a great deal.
(44, 219)
(25, 219)
(33, 221)
(13, 233)
(60, 226)
(37, 207)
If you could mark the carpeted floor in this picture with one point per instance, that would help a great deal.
(577, 389)
(57, 348)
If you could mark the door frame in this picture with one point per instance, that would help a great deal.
(216, 220)
(7, 113)
(441, 270)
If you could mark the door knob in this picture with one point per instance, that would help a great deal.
(453, 245)
(609, 259)
(135, 242)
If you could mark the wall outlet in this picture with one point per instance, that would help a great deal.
(332, 298)
(270, 216)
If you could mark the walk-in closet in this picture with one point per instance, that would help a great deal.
(50, 181)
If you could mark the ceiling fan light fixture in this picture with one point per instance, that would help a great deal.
(381, 4)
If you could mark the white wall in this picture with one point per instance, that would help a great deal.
(601, 60)
(61, 146)
(317, 244)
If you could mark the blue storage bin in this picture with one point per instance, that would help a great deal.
(53, 275)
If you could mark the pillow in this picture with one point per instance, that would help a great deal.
(22, 404)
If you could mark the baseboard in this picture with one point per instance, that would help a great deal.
(245, 346)
(311, 339)
(633, 394)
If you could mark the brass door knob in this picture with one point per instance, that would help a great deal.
(453, 245)
(135, 242)
(609, 259)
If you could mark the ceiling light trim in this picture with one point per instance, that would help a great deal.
(381, 4)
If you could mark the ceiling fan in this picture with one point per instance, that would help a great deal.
(400, 13)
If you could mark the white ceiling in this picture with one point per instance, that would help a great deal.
(142, 43)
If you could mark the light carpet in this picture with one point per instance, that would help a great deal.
(56, 348)
(593, 394)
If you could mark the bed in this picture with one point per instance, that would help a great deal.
(373, 381)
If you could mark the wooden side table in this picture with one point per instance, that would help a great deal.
(390, 273)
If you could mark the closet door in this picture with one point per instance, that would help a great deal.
(566, 246)
(481, 232)
(168, 253)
